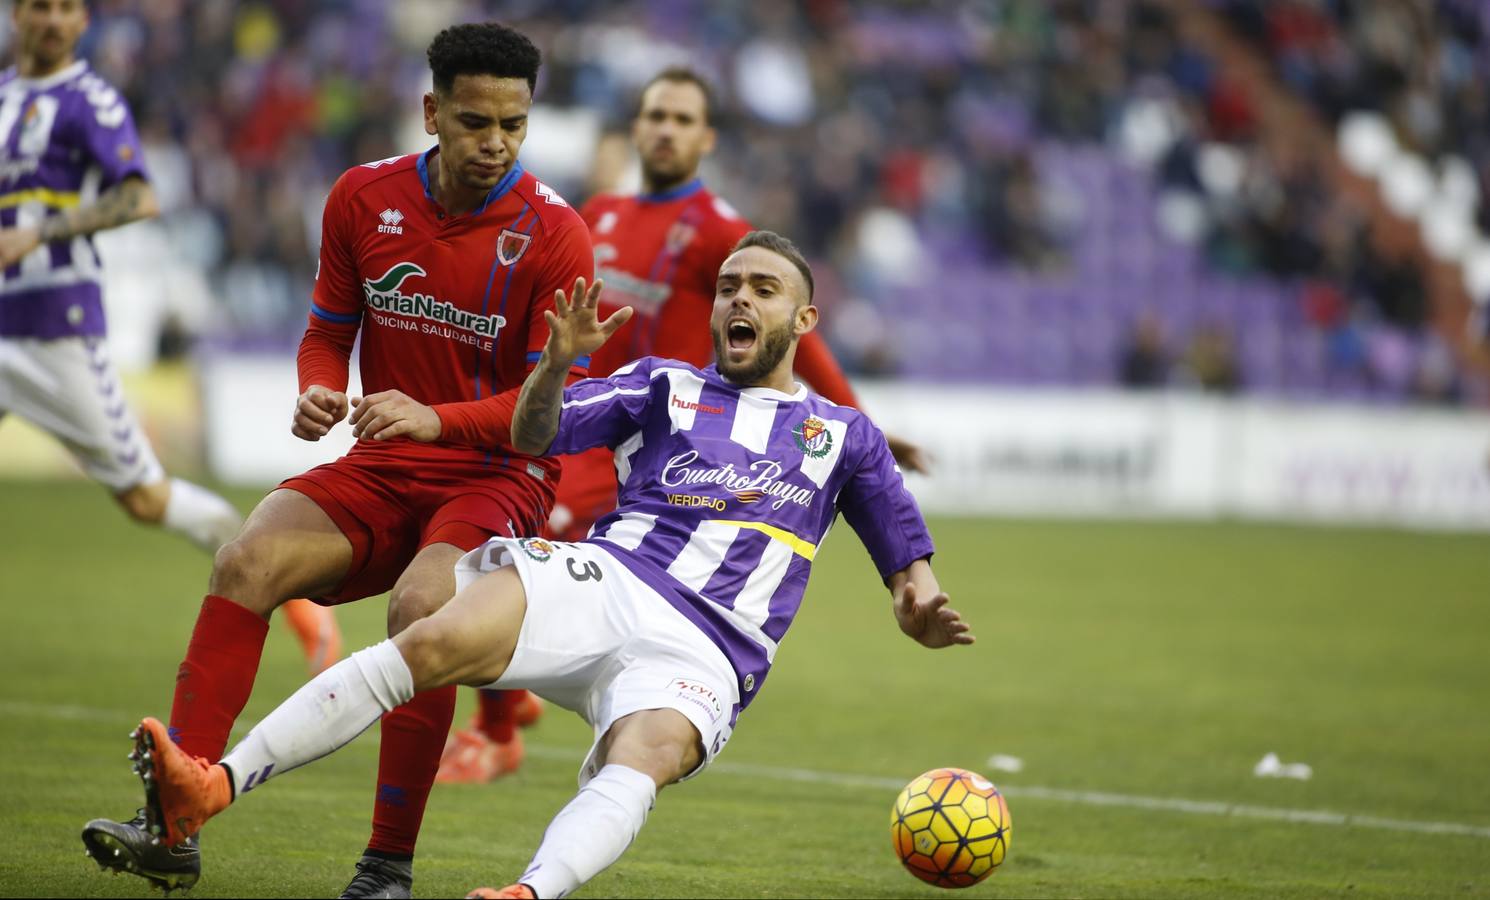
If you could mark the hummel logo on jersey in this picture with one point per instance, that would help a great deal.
(694, 405)
(391, 218)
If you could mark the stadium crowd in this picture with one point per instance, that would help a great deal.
(1425, 65)
(896, 143)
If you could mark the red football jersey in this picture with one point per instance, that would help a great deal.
(450, 308)
(660, 254)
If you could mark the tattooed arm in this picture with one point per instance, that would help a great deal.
(536, 419)
(574, 330)
(128, 201)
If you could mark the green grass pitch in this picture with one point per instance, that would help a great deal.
(1146, 660)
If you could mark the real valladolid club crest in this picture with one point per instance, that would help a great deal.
(511, 245)
(813, 437)
(538, 549)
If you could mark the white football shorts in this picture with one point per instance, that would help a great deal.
(69, 388)
(599, 641)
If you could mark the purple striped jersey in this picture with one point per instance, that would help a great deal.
(63, 138)
(727, 492)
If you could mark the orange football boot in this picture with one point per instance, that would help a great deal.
(510, 892)
(181, 792)
(510, 755)
(320, 637)
(470, 757)
(527, 710)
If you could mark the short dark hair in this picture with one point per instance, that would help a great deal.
(482, 49)
(770, 240)
(682, 75)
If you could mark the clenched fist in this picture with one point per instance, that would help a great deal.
(316, 411)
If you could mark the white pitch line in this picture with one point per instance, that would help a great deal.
(1128, 801)
(880, 782)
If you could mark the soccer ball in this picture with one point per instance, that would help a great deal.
(951, 828)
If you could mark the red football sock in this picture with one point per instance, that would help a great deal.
(413, 736)
(494, 715)
(217, 676)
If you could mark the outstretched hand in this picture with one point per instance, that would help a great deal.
(574, 326)
(932, 623)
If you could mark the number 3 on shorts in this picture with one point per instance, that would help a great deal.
(591, 571)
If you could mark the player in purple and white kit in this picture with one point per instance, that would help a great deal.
(661, 627)
(69, 167)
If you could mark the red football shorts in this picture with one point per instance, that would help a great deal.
(392, 509)
(587, 491)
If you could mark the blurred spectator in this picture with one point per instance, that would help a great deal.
(1145, 361)
(1436, 380)
(1210, 362)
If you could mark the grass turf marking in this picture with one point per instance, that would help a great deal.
(844, 779)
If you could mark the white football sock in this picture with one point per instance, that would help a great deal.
(326, 713)
(200, 516)
(591, 832)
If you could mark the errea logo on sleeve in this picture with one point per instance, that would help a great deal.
(550, 195)
(391, 219)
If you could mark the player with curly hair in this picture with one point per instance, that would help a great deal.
(445, 263)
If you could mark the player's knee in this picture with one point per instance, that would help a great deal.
(412, 602)
(431, 650)
(662, 743)
(243, 570)
(145, 503)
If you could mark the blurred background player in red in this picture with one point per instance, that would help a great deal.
(658, 252)
(444, 262)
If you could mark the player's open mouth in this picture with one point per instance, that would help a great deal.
(740, 334)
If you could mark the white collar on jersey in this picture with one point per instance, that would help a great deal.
(761, 393)
(53, 79)
(765, 393)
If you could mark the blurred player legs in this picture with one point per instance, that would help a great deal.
(69, 388)
(491, 746)
(316, 629)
